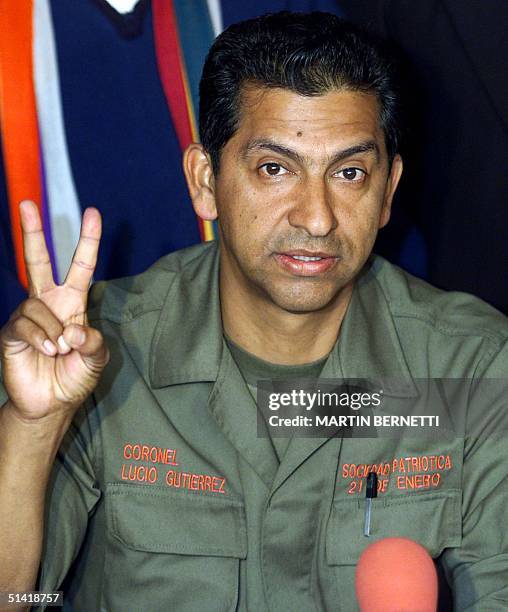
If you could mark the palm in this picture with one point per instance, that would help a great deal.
(38, 383)
(68, 304)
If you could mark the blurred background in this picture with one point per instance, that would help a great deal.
(98, 100)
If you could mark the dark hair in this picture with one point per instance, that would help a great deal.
(308, 53)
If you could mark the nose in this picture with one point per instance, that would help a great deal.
(313, 210)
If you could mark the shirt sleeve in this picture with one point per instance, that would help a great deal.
(71, 496)
(478, 569)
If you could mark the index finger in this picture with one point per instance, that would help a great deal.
(35, 251)
(85, 257)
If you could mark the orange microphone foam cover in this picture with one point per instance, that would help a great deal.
(396, 575)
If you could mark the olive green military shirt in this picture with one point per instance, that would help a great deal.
(163, 496)
(254, 369)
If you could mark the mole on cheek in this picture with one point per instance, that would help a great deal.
(298, 133)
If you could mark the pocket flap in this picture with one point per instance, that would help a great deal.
(160, 520)
(433, 519)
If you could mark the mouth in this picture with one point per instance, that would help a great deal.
(306, 263)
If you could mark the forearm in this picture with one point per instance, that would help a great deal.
(27, 452)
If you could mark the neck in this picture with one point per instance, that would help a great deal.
(264, 329)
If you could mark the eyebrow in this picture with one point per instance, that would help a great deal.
(271, 145)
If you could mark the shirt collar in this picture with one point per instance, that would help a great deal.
(369, 346)
(187, 343)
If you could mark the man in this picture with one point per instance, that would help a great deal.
(162, 495)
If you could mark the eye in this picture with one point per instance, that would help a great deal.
(353, 175)
(272, 169)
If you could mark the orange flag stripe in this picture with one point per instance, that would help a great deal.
(174, 79)
(18, 116)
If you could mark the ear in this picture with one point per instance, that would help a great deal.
(391, 186)
(200, 181)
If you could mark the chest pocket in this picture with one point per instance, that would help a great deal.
(171, 550)
(433, 519)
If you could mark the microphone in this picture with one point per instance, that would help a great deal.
(396, 575)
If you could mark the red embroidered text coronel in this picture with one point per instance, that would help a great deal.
(152, 454)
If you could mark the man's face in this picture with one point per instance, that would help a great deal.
(302, 177)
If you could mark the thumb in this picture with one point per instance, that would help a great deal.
(89, 343)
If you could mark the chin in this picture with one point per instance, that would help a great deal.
(308, 301)
(298, 295)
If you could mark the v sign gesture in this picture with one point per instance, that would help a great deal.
(51, 359)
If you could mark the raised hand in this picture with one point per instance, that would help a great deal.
(51, 358)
